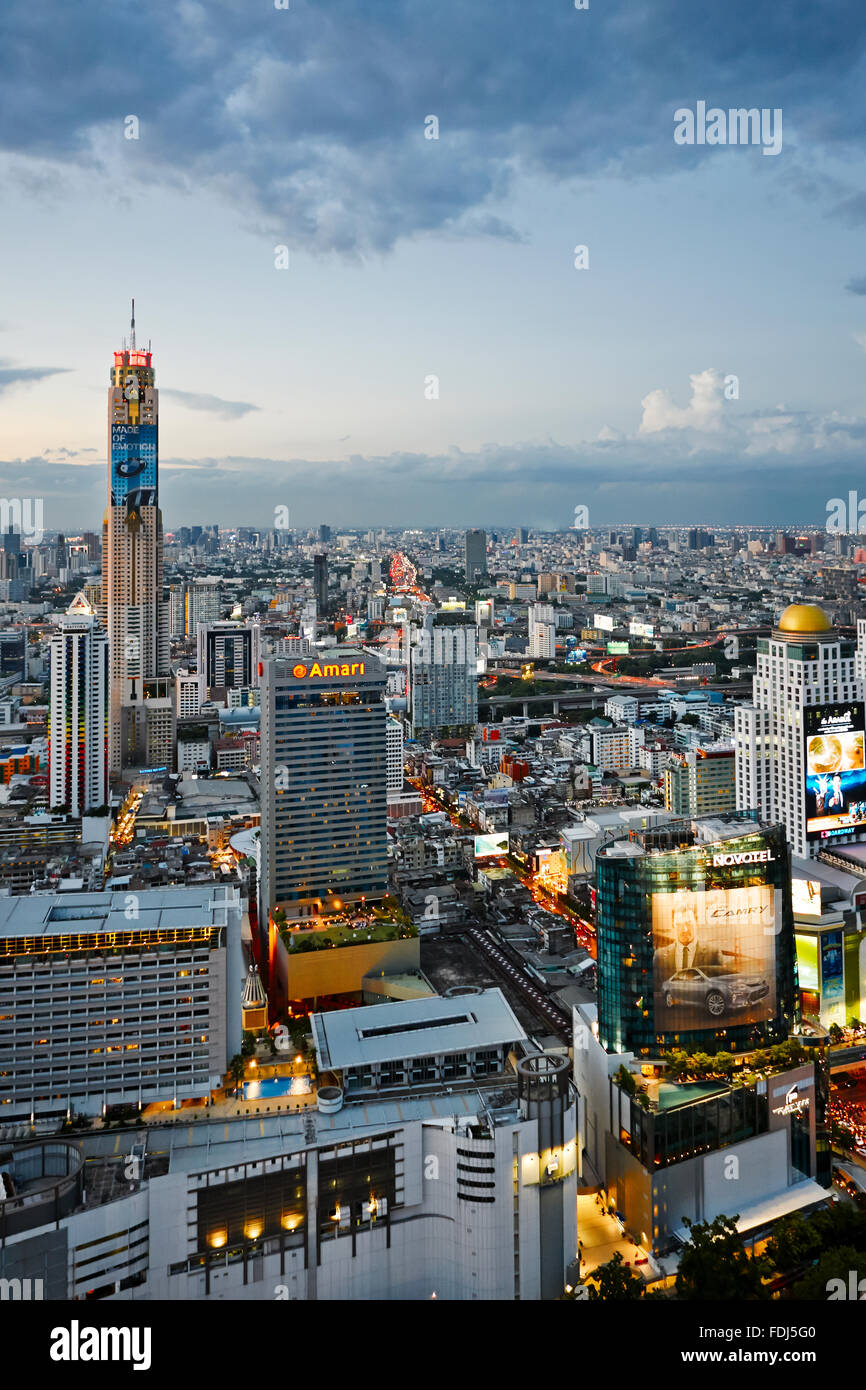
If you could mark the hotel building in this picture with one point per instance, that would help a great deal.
(323, 781)
(116, 998)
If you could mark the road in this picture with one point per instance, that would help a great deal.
(507, 963)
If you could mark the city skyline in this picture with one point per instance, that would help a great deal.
(433, 712)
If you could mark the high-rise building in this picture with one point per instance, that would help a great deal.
(695, 937)
(799, 745)
(476, 556)
(228, 655)
(324, 534)
(202, 604)
(79, 711)
(81, 1036)
(189, 701)
(701, 782)
(542, 630)
(141, 727)
(320, 584)
(323, 782)
(394, 754)
(442, 674)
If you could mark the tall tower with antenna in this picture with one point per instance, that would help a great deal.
(135, 615)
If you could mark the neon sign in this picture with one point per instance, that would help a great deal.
(336, 668)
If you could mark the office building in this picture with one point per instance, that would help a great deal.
(695, 938)
(228, 656)
(110, 1001)
(324, 782)
(79, 711)
(701, 782)
(799, 745)
(476, 556)
(441, 660)
(394, 754)
(136, 615)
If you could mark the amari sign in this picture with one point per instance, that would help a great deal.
(327, 671)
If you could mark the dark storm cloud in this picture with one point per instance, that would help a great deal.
(312, 118)
(16, 376)
(857, 284)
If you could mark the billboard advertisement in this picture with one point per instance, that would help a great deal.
(806, 897)
(832, 980)
(603, 622)
(617, 648)
(714, 957)
(133, 464)
(835, 768)
(641, 629)
(491, 846)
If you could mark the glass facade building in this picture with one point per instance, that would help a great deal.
(696, 939)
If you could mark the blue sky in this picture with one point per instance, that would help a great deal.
(454, 257)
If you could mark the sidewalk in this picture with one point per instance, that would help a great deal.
(601, 1238)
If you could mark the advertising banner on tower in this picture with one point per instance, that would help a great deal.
(133, 462)
(714, 956)
(835, 769)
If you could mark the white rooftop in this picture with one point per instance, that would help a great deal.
(414, 1028)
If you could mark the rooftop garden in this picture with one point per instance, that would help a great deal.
(386, 923)
(726, 1067)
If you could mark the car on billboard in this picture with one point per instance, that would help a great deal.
(715, 989)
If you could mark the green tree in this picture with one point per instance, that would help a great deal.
(625, 1080)
(615, 1281)
(794, 1242)
(833, 1264)
(714, 1265)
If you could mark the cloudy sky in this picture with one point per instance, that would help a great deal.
(415, 262)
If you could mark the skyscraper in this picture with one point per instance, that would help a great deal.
(320, 584)
(476, 556)
(79, 711)
(323, 782)
(141, 724)
(799, 745)
(442, 674)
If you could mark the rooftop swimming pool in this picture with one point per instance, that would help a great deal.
(279, 1086)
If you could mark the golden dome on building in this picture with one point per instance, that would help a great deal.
(804, 617)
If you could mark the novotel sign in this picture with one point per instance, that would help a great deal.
(751, 856)
(329, 669)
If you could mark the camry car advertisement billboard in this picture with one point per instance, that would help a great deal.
(714, 957)
(835, 768)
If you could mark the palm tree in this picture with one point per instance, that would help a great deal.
(237, 1067)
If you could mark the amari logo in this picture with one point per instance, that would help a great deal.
(330, 669)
